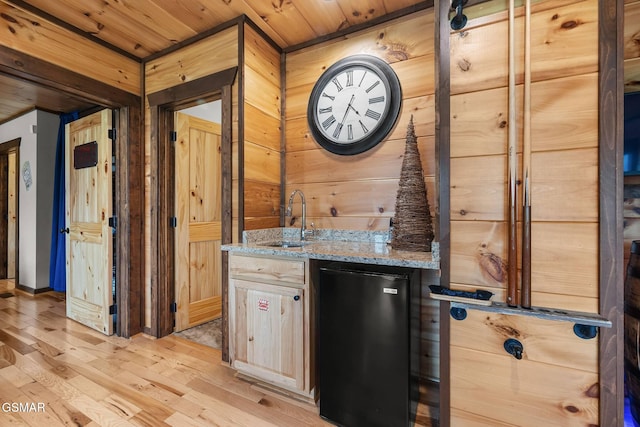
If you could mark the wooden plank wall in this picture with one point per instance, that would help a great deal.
(32, 35)
(205, 57)
(359, 192)
(262, 132)
(556, 382)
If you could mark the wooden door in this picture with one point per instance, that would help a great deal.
(198, 232)
(269, 332)
(88, 171)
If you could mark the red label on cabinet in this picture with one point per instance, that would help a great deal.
(263, 304)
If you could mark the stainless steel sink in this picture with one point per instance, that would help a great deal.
(283, 244)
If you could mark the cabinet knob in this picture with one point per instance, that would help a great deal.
(250, 339)
(296, 298)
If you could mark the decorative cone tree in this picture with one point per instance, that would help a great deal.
(412, 224)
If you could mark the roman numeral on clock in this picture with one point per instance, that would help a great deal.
(373, 86)
(336, 133)
(327, 123)
(325, 110)
(373, 114)
(349, 78)
(337, 83)
(376, 99)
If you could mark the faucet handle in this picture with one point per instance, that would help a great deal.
(312, 231)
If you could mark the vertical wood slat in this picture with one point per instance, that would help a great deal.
(129, 211)
(227, 197)
(4, 213)
(611, 52)
(443, 220)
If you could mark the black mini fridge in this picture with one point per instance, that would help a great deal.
(368, 338)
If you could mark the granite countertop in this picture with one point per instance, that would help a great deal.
(336, 245)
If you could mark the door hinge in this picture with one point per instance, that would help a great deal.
(113, 222)
(112, 134)
(173, 136)
(173, 222)
(113, 309)
(173, 307)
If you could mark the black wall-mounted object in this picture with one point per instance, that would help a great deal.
(514, 348)
(85, 155)
(459, 21)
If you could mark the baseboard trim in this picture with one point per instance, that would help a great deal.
(32, 291)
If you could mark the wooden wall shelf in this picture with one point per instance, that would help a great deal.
(578, 317)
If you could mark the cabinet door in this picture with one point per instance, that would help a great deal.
(269, 332)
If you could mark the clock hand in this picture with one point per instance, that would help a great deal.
(336, 132)
(347, 110)
(351, 106)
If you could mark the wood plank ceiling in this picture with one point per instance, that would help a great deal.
(141, 28)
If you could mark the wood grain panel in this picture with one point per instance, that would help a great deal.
(256, 223)
(261, 164)
(393, 41)
(544, 341)
(479, 253)
(203, 231)
(479, 123)
(373, 198)
(284, 15)
(190, 62)
(564, 185)
(261, 128)
(554, 395)
(260, 149)
(564, 113)
(261, 93)
(554, 247)
(39, 38)
(478, 188)
(312, 165)
(261, 199)
(267, 270)
(570, 28)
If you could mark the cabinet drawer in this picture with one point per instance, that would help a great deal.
(267, 269)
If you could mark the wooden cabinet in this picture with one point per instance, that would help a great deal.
(270, 327)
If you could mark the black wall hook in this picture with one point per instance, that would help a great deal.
(460, 19)
(514, 348)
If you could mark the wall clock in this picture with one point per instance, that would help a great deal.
(354, 104)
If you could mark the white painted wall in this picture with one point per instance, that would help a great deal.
(35, 203)
(46, 158)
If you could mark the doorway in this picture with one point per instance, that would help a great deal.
(9, 178)
(162, 107)
(198, 215)
(89, 180)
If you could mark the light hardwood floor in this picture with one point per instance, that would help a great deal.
(83, 378)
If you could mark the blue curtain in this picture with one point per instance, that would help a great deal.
(57, 268)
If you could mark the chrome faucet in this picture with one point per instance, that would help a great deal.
(303, 226)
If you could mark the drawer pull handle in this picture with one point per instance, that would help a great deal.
(296, 298)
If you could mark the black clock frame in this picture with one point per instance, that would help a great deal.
(385, 72)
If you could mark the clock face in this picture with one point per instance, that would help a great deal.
(354, 104)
